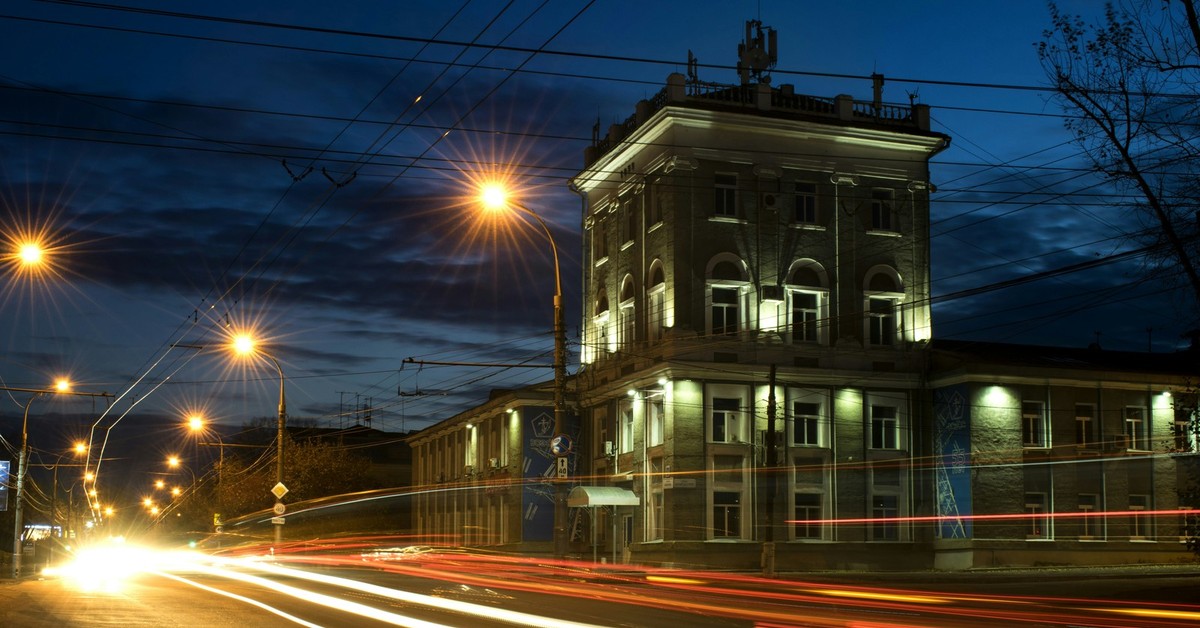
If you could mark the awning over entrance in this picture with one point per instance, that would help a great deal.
(591, 496)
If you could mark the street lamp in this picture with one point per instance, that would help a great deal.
(245, 345)
(196, 424)
(78, 449)
(495, 198)
(59, 386)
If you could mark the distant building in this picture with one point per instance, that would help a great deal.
(757, 369)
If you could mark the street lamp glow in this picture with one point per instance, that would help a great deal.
(175, 490)
(243, 344)
(147, 502)
(160, 484)
(30, 253)
(108, 512)
(80, 447)
(195, 422)
(89, 476)
(62, 385)
(494, 197)
(173, 461)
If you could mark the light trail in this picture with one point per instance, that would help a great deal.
(999, 517)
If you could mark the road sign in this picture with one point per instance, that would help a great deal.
(279, 508)
(562, 467)
(277, 520)
(279, 490)
(561, 445)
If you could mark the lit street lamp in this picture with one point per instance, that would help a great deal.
(63, 387)
(495, 198)
(196, 425)
(78, 449)
(246, 346)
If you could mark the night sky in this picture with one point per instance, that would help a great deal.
(306, 169)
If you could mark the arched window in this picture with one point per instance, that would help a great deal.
(883, 291)
(656, 297)
(627, 325)
(600, 342)
(808, 303)
(727, 288)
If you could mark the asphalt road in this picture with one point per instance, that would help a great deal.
(342, 590)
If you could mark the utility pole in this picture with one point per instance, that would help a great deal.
(771, 481)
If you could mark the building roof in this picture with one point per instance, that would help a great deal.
(947, 355)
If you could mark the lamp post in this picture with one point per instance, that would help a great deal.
(62, 386)
(195, 423)
(245, 345)
(78, 449)
(496, 198)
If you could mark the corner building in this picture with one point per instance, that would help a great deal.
(755, 253)
(758, 378)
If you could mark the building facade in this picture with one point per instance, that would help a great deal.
(1054, 456)
(757, 364)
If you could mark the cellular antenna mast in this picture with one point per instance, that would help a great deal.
(758, 53)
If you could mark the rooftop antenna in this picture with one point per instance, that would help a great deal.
(758, 53)
(693, 75)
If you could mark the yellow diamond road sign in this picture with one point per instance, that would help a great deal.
(279, 490)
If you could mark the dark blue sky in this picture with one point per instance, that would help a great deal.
(167, 155)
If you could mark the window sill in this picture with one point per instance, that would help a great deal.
(655, 227)
(628, 245)
(806, 226)
(733, 220)
(1038, 539)
(600, 262)
(729, 541)
(884, 232)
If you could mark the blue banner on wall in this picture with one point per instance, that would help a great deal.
(539, 468)
(952, 468)
(4, 485)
